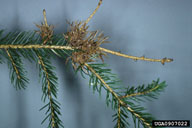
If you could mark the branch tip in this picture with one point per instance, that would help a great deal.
(135, 58)
(89, 18)
(45, 18)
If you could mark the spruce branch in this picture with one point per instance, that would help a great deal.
(49, 88)
(83, 48)
(17, 72)
(13, 64)
(145, 120)
(71, 48)
(150, 91)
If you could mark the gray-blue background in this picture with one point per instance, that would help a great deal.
(154, 28)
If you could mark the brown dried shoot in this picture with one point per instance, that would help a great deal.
(46, 31)
(86, 42)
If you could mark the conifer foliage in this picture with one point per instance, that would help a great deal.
(81, 48)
